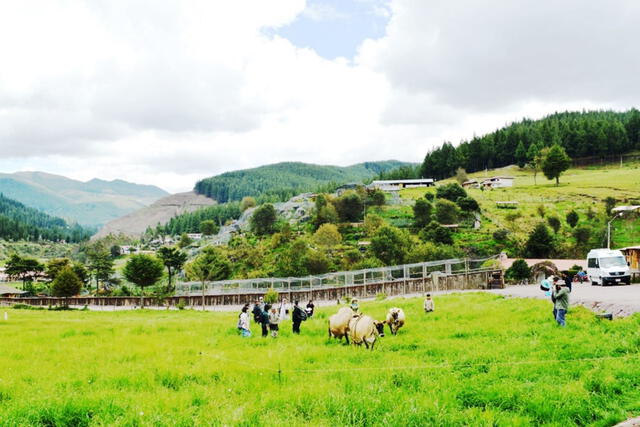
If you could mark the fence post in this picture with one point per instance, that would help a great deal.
(466, 273)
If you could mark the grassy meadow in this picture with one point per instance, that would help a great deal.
(580, 189)
(480, 359)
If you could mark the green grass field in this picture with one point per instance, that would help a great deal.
(478, 360)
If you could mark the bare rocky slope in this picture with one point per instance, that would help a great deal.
(160, 212)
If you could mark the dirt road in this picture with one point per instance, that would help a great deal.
(619, 300)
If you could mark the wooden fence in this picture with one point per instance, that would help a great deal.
(472, 280)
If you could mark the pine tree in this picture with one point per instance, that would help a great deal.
(555, 162)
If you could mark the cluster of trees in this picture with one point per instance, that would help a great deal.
(450, 204)
(543, 243)
(580, 134)
(19, 222)
(28, 270)
(194, 222)
(282, 181)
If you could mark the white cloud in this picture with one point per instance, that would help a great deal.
(175, 91)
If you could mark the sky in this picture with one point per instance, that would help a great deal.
(171, 91)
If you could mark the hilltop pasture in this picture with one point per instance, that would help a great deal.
(480, 359)
(580, 189)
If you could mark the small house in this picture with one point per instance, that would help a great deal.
(10, 292)
(194, 236)
(472, 183)
(399, 184)
(497, 182)
(632, 254)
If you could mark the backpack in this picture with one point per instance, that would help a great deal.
(302, 314)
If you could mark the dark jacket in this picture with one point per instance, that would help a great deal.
(298, 315)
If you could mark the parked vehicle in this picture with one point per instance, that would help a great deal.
(607, 267)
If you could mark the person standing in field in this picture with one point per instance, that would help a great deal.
(243, 322)
(257, 310)
(298, 316)
(264, 320)
(310, 307)
(355, 306)
(560, 297)
(429, 305)
(274, 319)
(284, 309)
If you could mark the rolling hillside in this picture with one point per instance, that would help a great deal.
(91, 203)
(581, 189)
(159, 212)
(281, 181)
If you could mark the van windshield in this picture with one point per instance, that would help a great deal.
(614, 261)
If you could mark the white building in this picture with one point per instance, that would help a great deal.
(498, 182)
(194, 236)
(399, 184)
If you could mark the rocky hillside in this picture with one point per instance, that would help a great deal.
(160, 212)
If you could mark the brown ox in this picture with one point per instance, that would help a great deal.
(339, 323)
(365, 329)
(395, 319)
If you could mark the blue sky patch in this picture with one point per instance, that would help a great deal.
(335, 28)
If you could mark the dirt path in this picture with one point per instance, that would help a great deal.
(620, 301)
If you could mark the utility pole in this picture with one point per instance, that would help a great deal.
(609, 229)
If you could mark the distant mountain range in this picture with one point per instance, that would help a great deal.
(281, 181)
(91, 203)
(276, 182)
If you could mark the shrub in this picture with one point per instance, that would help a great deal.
(381, 296)
(429, 196)
(519, 270)
(247, 202)
(609, 204)
(421, 213)
(450, 192)
(181, 305)
(541, 211)
(500, 235)
(572, 219)
(350, 207)
(263, 220)
(468, 204)
(271, 296)
(540, 242)
(389, 245)
(582, 235)
(436, 233)
(327, 235)
(461, 175)
(554, 223)
(446, 211)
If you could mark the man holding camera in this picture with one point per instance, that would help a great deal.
(560, 297)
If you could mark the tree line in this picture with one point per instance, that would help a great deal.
(280, 182)
(19, 222)
(581, 134)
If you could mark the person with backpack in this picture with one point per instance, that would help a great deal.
(298, 316)
(264, 320)
(257, 310)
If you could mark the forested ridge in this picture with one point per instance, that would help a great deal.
(581, 134)
(281, 181)
(19, 222)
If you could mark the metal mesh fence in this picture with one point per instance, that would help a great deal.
(341, 278)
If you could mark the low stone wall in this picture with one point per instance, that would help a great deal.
(473, 280)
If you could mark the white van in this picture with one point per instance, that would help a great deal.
(607, 267)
